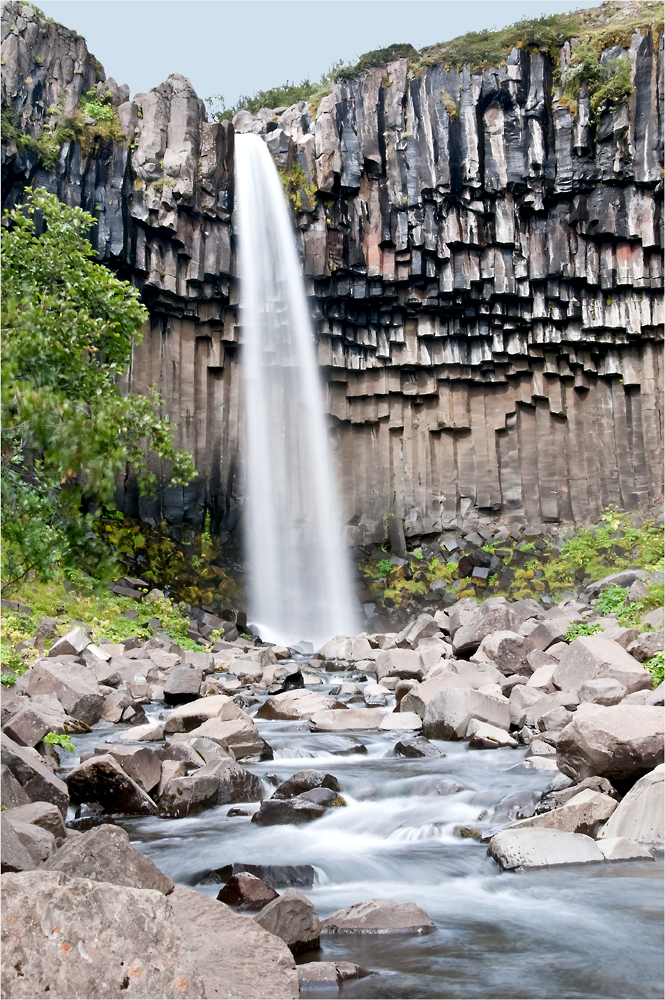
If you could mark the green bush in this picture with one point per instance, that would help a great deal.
(69, 326)
(656, 667)
(276, 97)
(608, 84)
(612, 600)
(60, 740)
(383, 567)
(576, 630)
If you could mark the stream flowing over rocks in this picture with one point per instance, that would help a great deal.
(430, 812)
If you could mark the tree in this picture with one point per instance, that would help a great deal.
(69, 325)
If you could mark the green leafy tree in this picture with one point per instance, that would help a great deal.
(69, 325)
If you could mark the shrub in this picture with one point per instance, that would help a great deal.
(612, 600)
(60, 740)
(576, 630)
(656, 667)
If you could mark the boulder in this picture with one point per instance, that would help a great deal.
(403, 721)
(622, 579)
(246, 892)
(639, 815)
(622, 741)
(313, 975)
(298, 704)
(215, 783)
(114, 705)
(602, 691)
(418, 698)
(84, 939)
(240, 735)
(15, 857)
(485, 621)
(539, 848)
(647, 645)
(37, 780)
(448, 714)
(207, 750)
(292, 918)
(304, 781)
(12, 793)
(71, 644)
(476, 675)
(235, 957)
(403, 663)
(416, 746)
(582, 813)
(149, 733)
(39, 843)
(30, 724)
(43, 814)
(423, 627)
(595, 656)
(655, 618)
(102, 779)
(76, 689)
(542, 678)
(482, 736)
(378, 916)
(276, 876)
(183, 685)
(508, 651)
(549, 632)
(622, 849)
(140, 763)
(104, 854)
(192, 715)
(522, 700)
(280, 812)
(344, 647)
(351, 718)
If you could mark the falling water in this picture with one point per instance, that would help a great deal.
(299, 581)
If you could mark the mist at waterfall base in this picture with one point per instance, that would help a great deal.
(299, 582)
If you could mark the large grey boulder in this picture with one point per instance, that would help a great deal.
(71, 644)
(15, 857)
(622, 849)
(299, 704)
(582, 813)
(234, 955)
(350, 718)
(522, 699)
(104, 854)
(12, 793)
(183, 685)
(595, 656)
(140, 763)
(647, 645)
(185, 718)
(639, 815)
(622, 741)
(39, 843)
(534, 848)
(240, 735)
(292, 918)
(602, 691)
(486, 620)
(305, 781)
(76, 938)
(282, 812)
(37, 780)
(402, 663)
(448, 714)
(30, 724)
(378, 916)
(549, 632)
(222, 780)
(508, 651)
(344, 647)
(102, 779)
(43, 814)
(75, 688)
(624, 578)
(418, 698)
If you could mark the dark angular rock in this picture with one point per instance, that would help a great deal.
(304, 781)
(416, 746)
(278, 812)
(246, 892)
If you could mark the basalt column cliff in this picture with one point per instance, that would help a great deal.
(484, 267)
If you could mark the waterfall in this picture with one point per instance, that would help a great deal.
(298, 577)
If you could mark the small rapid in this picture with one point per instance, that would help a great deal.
(408, 833)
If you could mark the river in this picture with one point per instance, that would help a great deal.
(593, 930)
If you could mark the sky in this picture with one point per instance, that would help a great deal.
(233, 47)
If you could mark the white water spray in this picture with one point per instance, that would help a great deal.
(299, 580)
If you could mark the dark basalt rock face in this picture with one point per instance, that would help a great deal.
(484, 272)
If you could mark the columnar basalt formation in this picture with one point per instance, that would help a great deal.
(484, 269)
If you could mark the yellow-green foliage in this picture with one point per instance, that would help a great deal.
(608, 84)
(301, 195)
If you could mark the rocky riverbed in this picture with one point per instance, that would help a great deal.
(472, 806)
